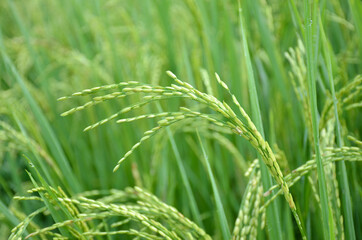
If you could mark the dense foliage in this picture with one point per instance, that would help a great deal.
(202, 119)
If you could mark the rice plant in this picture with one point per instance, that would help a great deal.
(201, 119)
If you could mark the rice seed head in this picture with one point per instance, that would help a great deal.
(171, 74)
(222, 83)
(245, 128)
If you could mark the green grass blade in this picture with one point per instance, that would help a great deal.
(46, 129)
(43, 167)
(220, 209)
(193, 205)
(273, 215)
(297, 19)
(341, 167)
(8, 214)
(271, 48)
(356, 10)
(56, 214)
(311, 76)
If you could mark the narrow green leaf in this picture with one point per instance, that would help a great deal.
(219, 206)
(311, 76)
(273, 214)
(45, 127)
(341, 167)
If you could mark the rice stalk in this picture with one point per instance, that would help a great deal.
(243, 127)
